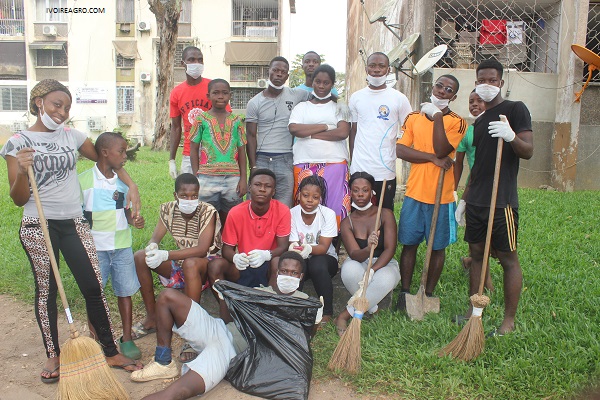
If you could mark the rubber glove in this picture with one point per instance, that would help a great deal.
(150, 247)
(459, 214)
(292, 245)
(173, 169)
(306, 250)
(319, 316)
(429, 109)
(241, 261)
(155, 257)
(217, 290)
(502, 129)
(258, 257)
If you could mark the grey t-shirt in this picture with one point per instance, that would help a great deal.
(55, 170)
(272, 116)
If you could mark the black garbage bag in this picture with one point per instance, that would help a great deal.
(278, 361)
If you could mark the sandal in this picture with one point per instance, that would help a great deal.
(50, 378)
(340, 330)
(129, 349)
(138, 331)
(128, 364)
(187, 349)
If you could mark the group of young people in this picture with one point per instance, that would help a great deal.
(305, 150)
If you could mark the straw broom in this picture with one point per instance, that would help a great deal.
(84, 372)
(347, 354)
(470, 342)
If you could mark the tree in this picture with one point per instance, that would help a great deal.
(297, 75)
(167, 14)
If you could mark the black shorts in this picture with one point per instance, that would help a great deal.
(390, 193)
(504, 230)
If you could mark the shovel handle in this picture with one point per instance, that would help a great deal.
(372, 251)
(434, 218)
(53, 262)
(488, 235)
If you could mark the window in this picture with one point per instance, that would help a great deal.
(51, 58)
(125, 99)
(125, 62)
(13, 98)
(248, 73)
(12, 17)
(179, 51)
(241, 96)
(186, 12)
(125, 11)
(593, 38)
(254, 18)
(43, 8)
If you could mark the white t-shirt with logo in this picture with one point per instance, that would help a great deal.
(379, 115)
(324, 224)
(309, 150)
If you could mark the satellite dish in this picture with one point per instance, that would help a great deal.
(381, 13)
(593, 61)
(430, 59)
(399, 54)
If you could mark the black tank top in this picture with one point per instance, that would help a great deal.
(362, 243)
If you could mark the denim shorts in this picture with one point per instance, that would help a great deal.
(283, 167)
(186, 165)
(415, 223)
(219, 191)
(120, 266)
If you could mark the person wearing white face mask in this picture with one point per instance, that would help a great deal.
(430, 139)
(216, 340)
(195, 228)
(186, 102)
(377, 116)
(511, 121)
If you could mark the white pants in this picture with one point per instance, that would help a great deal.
(385, 279)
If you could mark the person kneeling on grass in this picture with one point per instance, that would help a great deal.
(195, 227)
(216, 340)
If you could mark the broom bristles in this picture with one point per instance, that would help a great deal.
(348, 352)
(85, 374)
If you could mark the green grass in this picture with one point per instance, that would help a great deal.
(554, 352)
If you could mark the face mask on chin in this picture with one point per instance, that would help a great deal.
(287, 284)
(194, 70)
(48, 121)
(275, 87)
(376, 81)
(439, 103)
(328, 95)
(187, 206)
(487, 92)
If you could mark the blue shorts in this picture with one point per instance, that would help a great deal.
(120, 266)
(255, 277)
(415, 223)
(219, 191)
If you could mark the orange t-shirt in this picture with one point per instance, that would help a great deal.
(418, 134)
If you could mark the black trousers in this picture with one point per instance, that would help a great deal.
(320, 269)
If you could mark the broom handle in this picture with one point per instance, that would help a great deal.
(377, 219)
(53, 262)
(488, 235)
(434, 218)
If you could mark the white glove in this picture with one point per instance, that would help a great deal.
(258, 257)
(306, 250)
(150, 247)
(455, 196)
(173, 169)
(217, 290)
(331, 126)
(292, 245)
(459, 214)
(501, 129)
(241, 261)
(319, 316)
(155, 257)
(342, 111)
(429, 109)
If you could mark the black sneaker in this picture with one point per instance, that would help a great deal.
(401, 303)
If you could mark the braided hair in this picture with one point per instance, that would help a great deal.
(318, 182)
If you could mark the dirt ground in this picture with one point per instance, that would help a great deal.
(23, 359)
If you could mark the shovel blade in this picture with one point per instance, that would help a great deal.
(419, 304)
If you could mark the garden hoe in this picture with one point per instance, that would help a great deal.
(419, 304)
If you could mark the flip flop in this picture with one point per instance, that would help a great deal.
(189, 350)
(138, 331)
(125, 365)
(495, 333)
(51, 379)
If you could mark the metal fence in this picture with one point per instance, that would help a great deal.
(254, 18)
(248, 73)
(241, 96)
(12, 18)
(521, 34)
(593, 38)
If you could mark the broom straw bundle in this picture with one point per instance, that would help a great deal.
(347, 354)
(470, 342)
(84, 372)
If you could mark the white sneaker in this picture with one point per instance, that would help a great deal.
(154, 371)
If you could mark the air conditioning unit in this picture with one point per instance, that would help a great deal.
(261, 83)
(95, 124)
(125, 27)
(143, 26)
(18, 126)
(145, 77)
(49, 30)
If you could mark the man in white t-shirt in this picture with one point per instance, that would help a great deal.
(377, 115)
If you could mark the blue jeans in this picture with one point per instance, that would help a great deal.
(120, 266)
(283, 167)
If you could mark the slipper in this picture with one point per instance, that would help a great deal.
(187, 349)
(125, 365)
(495, 333)
(138, 331)
(51, 379)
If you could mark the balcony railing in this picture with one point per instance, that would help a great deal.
(255, 28)
(12, 27)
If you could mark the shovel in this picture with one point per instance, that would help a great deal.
(419, 304)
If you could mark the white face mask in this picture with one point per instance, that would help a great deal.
(328, 95)
(48, 121)
(487, 92)
(275, 87)
(187, 206)
(439, 103)
(366, 207)
(475, 117)
(287, 284)
(310, 212)
(376, 81)
(194, 70)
